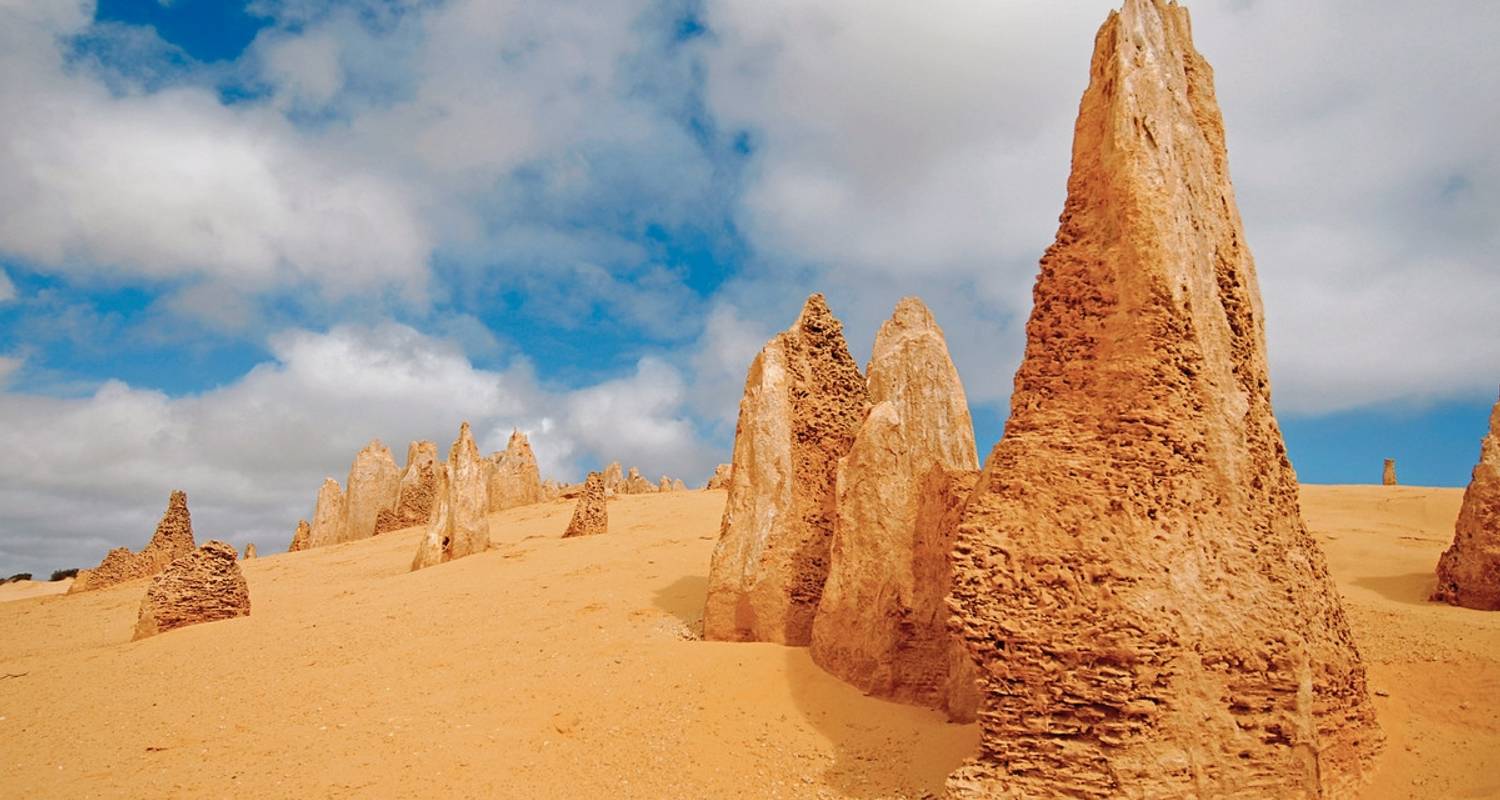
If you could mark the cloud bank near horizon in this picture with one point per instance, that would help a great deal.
(584, 220)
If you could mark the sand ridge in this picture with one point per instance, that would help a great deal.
(546, 668)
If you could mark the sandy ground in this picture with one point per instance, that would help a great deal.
(550, 668)
(22, 590)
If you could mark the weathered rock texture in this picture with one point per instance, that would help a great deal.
(1469, 571)
(250, 551)
(665, 485)
(373, 486)
(173, 538)
(720, 478)
(591, 515)
(459, 527)
(868, 629)
(421, 482)
(551, 490)
(1148, 615)
(613, 477)
(804, 399)
(1388, 473)
(203, 586)
(635, 483)
(514, 479)
(328, 515)
(300, 537)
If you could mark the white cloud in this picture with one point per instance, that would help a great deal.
(173, 184)
(7, 289)
(925, 148)
(82, 475)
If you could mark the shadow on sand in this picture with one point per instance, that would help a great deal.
(1413, 588)
(883, 749)
(684, 599)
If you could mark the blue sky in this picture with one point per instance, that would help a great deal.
(583, 221)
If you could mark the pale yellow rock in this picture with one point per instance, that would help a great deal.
(458, 526)
(514, 479)
(868, 630)
(1469, 571)
(720, 478)
(328, 515)
(804, 399)
(374, 484)
(421, 482)
(300, 537)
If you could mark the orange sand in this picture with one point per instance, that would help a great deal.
(22, 590)
(549, 668)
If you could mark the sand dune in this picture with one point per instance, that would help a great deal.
(21, 590)
(551, 668)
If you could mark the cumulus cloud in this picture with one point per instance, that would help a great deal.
(7, 289)
(85, 474)
(926, 149)
(172, 185)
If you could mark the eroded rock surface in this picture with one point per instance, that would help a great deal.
(613, 477)
(373, 486)
(1469, 571)
(1388, 473)
(804, 399)
(459, 528)
(172, 538)
(422, 481)
(300, 537)
(1148, 615)
(635, 483)
(881, 624)
(514, 479)
(203, 586)
(720, 478)
(250, 551)
(591, 515)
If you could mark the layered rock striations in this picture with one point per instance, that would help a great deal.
(203, 586)
(422, 481)
(1147, 613)
(1469, 570)
(804, 399)
(373, 486)
(514, 478)
(172, 538)
(458, 528)
(591, 515)
(880, 624)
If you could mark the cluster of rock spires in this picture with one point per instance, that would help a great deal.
(379, 498)
(1126, 597)
(173, 538)
(1469, 571)
(458, 526)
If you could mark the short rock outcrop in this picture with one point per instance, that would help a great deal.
(881, 622)
(300, 537)
(416, 499)
(459, 527)
(804, 400)
(1388, 473)
(250, 551)
(613, 477)
(720, 478)
(1469, 570)
(173, 538)
(591, 515)
(635, 483)
(203, 586)
(1147, 613)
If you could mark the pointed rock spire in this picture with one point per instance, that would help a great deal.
(1147, 612)
(459, 527)
(299, 538)
(328, 515)
(591, 515)
(880, 625)
(416, 497)
(374, 484)
(804, 399)
(1469, 571)
(173, 538)
(514, 478)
